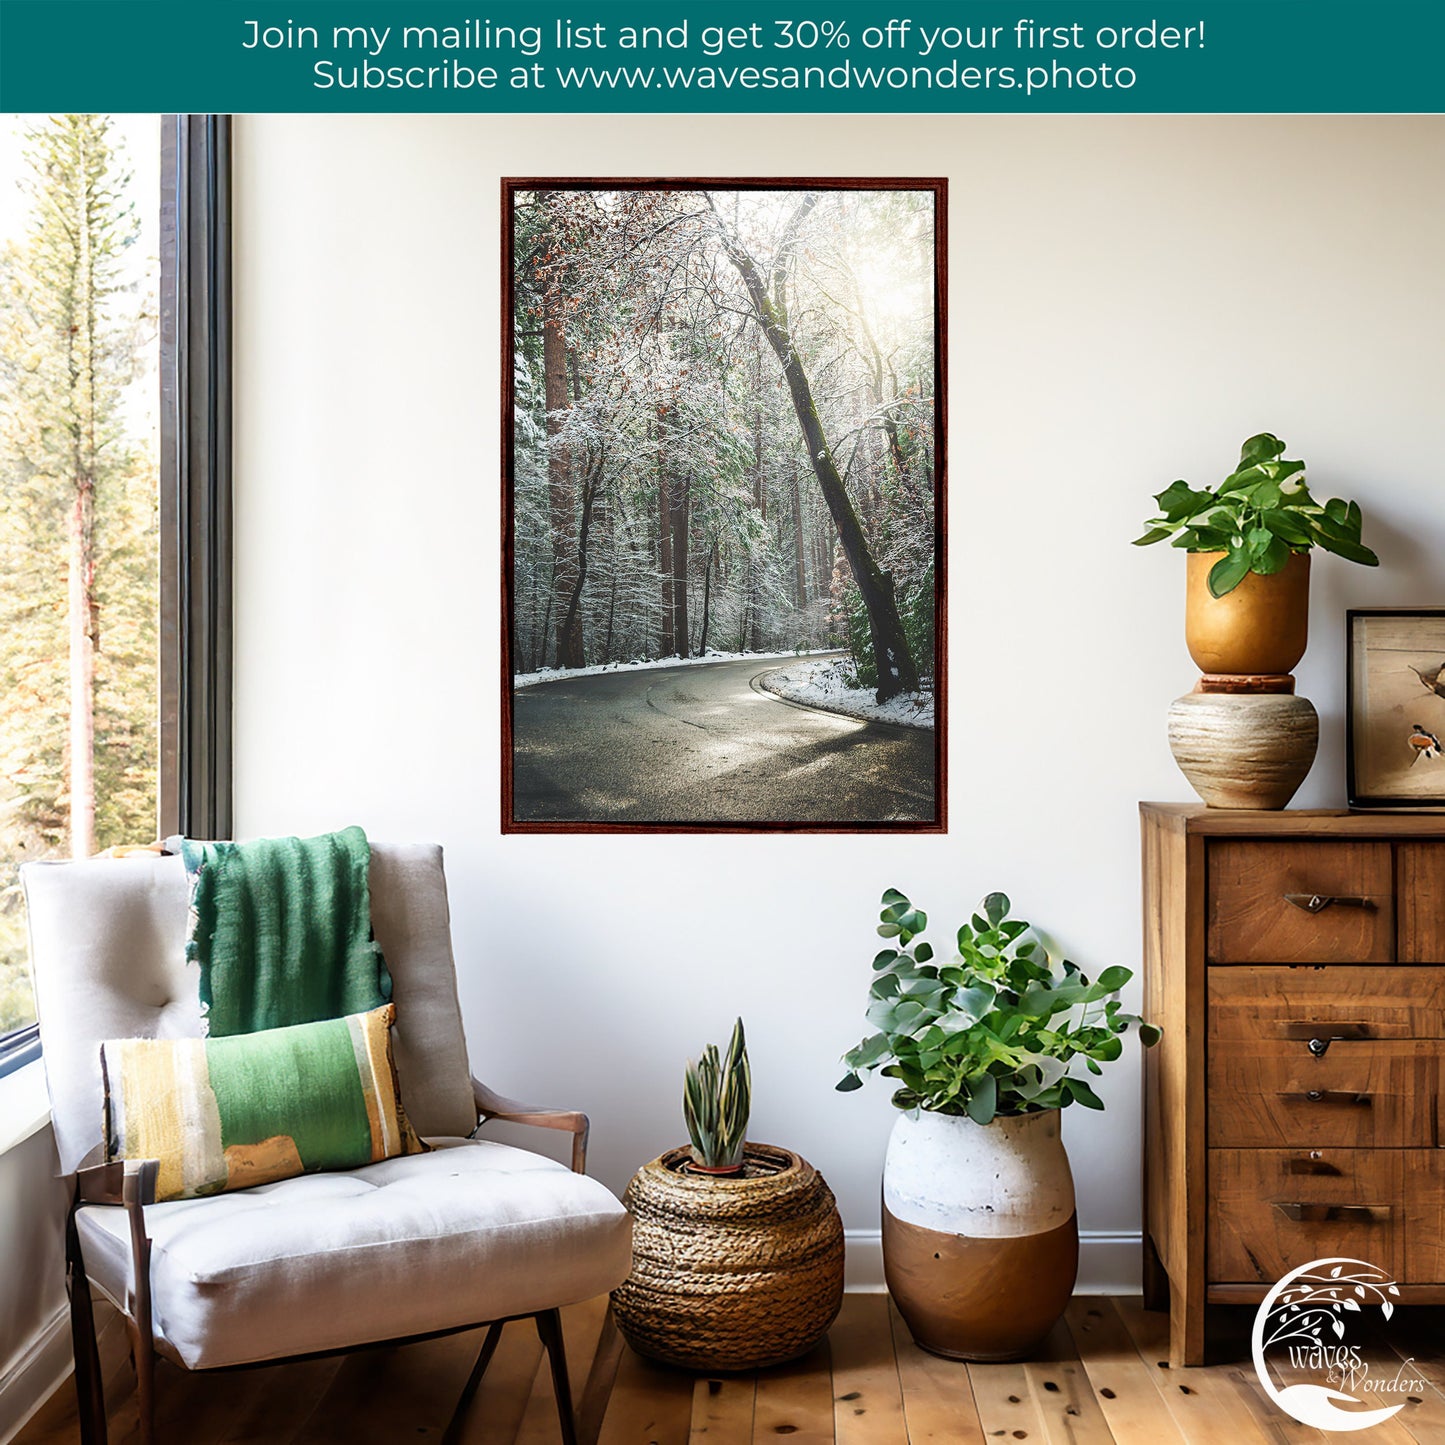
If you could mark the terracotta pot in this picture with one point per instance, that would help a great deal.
(1244, 750)
(1260, 627)
(980, 1240)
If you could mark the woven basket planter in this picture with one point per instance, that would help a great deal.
(731, 1273)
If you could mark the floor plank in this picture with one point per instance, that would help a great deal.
(651, 1404)
(405, 1391)
(1101, 1377)
(796, 1400)
(1204, 1403)
(937, 1396)
(867, 1398)
(581, 1326)
(496, 1411)
(1424, 1412)
(1062, 1394)
(722, 1409)
(1121, 1381)
(1005, 1404)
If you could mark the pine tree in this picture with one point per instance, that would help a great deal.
(77, 528)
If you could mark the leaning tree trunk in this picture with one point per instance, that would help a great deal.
(680, 500)
(668, 645)
(896, 669)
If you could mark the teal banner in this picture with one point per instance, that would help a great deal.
(878, 56)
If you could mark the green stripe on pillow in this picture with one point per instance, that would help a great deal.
(224, 1113)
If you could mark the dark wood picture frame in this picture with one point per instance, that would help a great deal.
(1431, 721)
(511, 187)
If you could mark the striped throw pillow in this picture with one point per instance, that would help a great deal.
(226, 1113)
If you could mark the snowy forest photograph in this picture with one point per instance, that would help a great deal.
(723, 505)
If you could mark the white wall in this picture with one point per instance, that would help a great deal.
(1129, 297)
(34, 1333)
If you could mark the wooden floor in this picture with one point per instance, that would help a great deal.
(1101, 1378)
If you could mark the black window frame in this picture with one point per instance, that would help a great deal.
(196, 629)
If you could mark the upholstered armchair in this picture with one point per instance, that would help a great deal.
(471, 1233)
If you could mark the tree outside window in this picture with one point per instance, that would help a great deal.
(79, 511)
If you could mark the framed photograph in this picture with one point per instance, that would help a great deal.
(723, 505)
(1396, 708)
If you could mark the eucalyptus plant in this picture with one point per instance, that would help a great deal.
(717, 1096)
(993, 1032)
(1258, 516)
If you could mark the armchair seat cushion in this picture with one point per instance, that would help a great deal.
(473, 1231)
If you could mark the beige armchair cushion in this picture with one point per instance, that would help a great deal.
(473, 1231)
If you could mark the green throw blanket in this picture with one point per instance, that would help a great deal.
(281, 929)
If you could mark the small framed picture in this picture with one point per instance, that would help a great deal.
(1396, 708)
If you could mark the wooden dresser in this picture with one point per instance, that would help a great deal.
(1296, 962)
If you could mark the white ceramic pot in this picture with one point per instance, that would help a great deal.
(1243, 750)
(980, 1239)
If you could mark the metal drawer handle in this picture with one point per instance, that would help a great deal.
(1320, 1035)
(1313, 1165)
(1335, 1213)
(1318, 902)
(1332, 1096)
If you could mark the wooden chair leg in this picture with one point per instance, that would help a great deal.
(549, 1327)
(89, 1387)
(453, 1433)
(598, 1390)
(144, 1356)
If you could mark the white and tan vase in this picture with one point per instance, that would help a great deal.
(1244, 750)
(980, 1240)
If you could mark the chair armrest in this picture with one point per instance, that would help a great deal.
(131, 1182)
(491, 1105)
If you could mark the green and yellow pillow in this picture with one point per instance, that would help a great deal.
(226, 1113)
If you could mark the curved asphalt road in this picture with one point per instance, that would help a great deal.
(706, 744)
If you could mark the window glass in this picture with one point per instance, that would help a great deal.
(79, 512)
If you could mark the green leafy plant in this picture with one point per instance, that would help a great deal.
(994, 1031)
(717, 1097)
(1258, 516)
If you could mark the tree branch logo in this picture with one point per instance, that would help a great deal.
(1304, 1321)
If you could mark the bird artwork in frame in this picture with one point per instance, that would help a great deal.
(1396, 708)
(723, 505)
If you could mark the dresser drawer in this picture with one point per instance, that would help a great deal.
(1251, 918)
(1424, 1216)
(1273, 1209)
(1420, 879)
(1354, 1095)
(1295, 1005)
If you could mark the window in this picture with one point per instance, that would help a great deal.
(114, 497)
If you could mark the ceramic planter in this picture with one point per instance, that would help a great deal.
(1260, 628)
(980, 1240)
(1244, 750)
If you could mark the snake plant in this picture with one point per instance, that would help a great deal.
(717, 1095)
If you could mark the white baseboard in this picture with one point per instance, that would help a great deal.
(1108, 1261)
(35, 1375)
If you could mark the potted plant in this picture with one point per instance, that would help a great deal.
(1249, 540)
(980, 1240)
(717, 1098)
(737, 1247)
